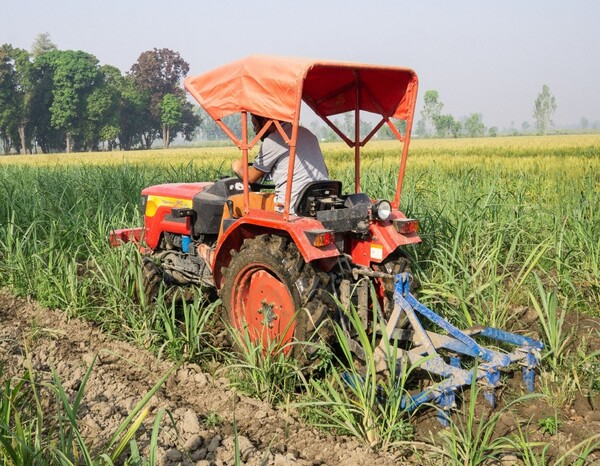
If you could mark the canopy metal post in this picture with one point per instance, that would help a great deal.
(357, 137)
(244, 147)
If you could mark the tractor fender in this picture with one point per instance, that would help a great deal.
(383, 240)
(259, 222)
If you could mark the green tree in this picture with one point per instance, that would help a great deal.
(102, 115)
(75, 75)
(135, 118)
(8, 102)
(156, 73)
(348, 128)
(208, 130)
(171, 111)
(386, 133)
(25, 91)
(15, 98)
(544, 108)
(474, 126)
(456, 128)
(421, 128)
(190, 120)
(120, 109)
(349, 124)
(42, 44)
(47, 137)
(584, 123)
(104, 106)
(446, 124)
(432, 109)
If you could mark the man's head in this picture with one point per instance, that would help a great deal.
(258, 122)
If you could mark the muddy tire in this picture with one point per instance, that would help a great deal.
(269, 290)
(153, 277)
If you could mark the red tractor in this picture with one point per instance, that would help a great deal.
(277, 272)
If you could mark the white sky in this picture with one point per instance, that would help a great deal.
(490, 57)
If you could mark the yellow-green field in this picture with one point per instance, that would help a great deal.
(422, 152)
(564, 156)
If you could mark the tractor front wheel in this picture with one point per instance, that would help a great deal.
(153, 277)
(271, 293)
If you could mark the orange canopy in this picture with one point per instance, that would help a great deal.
(274, 87)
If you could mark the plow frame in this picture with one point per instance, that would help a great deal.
(405, 324)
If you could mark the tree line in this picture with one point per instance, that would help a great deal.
(62, 100)
(435, 123)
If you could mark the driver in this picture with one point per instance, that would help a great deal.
(273, 159)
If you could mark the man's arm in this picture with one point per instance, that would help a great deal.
(254, 174)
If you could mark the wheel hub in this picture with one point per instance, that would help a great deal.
(263, 304)
(267, 310)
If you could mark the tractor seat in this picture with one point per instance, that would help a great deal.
(315, 190)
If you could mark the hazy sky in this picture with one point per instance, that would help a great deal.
(481, 56)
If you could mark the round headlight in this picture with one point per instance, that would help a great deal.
(382, 210)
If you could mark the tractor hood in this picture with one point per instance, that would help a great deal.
(275, 86)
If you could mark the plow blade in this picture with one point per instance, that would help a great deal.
(447, 355)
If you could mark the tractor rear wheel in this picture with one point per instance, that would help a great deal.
(270, 292)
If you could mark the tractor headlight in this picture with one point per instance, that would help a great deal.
(382, 210)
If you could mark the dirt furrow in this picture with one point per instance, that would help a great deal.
(200, 431)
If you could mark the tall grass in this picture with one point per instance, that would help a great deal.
(492, 213)
(355, 399)
(484, 207)
(261, 368)
(471, 438)
(552, 320)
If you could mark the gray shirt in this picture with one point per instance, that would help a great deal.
(273, 158)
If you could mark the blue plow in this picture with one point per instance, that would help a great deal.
(457, 344)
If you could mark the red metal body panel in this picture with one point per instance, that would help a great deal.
(159, 223)
(360, 250)
(261, 222)
(384, 240)
(125, 235)
(160, 200)
(179, 190)
(385, 233)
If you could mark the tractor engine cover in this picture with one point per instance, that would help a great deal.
(354, 219)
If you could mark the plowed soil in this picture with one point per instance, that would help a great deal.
(202, 407)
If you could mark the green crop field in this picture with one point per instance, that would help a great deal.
(510, 228)
(492, 210)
